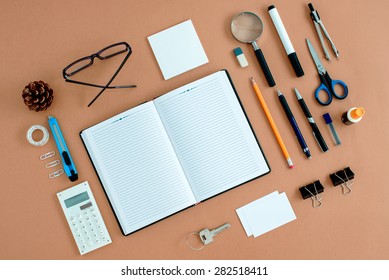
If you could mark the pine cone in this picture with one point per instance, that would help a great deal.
(38, 96)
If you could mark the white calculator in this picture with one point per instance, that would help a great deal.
(84, 218)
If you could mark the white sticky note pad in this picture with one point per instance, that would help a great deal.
(241, 211)
(178, 49)
(271, 214)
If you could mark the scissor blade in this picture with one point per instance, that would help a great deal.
(319, 65)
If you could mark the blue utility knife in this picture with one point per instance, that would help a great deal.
(63, 150)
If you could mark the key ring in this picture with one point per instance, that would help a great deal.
(188, 242)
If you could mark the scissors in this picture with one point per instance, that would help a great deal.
(327, 84)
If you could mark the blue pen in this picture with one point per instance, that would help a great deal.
(293, 123)
(63, 150)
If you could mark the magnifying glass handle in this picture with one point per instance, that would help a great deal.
(264, 66)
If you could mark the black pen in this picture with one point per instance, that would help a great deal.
(293, 123)
(316, 132)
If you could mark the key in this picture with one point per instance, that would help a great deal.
(207, 235)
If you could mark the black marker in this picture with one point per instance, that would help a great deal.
(275, 17)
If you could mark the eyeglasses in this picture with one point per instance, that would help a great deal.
(106, 53)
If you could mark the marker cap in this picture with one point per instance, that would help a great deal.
(284, 37)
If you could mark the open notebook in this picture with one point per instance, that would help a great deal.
(171, 153)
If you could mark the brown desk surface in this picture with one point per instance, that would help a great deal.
(39, 38)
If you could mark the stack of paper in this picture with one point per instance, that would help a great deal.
(178, 49)
(266, 213)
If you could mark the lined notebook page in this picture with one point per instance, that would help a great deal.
(138, 167)
(211, 135)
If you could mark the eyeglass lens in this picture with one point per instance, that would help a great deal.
(79, 65)
(103, 54)
(112, 51)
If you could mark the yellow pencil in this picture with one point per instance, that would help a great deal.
(272, 124)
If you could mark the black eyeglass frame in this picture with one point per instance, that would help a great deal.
(91, 58)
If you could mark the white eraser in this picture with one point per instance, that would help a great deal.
(241, 57)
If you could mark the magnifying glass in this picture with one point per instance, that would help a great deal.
(247, 27)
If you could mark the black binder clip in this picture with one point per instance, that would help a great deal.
(343, 178)
(313, 191)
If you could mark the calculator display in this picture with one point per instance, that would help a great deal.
(76, 199)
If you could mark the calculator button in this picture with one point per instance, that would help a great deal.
(90, 243)
(81, 241)
(71, 218)
(97, 241)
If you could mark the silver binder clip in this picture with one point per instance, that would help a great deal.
(316, 197)
(343, 178)
(320, 26)
(346, 187)
(313, 191)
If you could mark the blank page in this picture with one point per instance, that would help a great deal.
(211, 135)
(138, 167)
